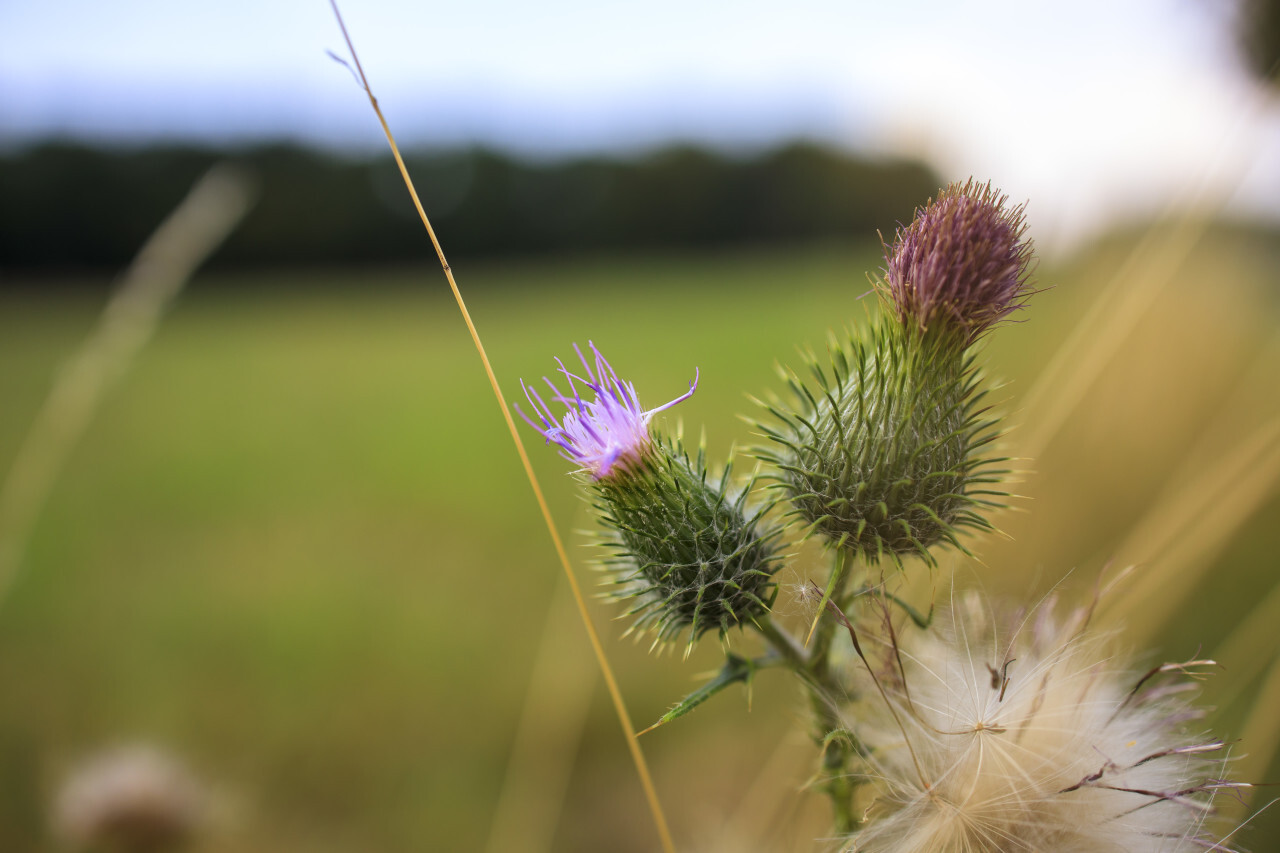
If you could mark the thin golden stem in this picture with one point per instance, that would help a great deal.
(1084, 356)
(195, 228)
(1206, 513)
(619, 705)
(1261, 732)
(547, 736)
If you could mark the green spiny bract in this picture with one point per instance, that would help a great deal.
(691, 553)
(881, 453)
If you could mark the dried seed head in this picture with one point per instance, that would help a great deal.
(962, 264)
(1032, 741)
(132, 799)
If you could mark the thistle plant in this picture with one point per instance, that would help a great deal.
(955, 737)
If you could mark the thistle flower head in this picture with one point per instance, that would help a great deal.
(689, 551)
(605, 434)
(963, 262)
(1034, 741)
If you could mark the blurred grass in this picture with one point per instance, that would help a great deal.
(296, 545)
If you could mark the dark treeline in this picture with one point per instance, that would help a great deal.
(67, 208)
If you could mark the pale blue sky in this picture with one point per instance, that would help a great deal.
(1090, 109)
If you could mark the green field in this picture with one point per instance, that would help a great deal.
(297, 549)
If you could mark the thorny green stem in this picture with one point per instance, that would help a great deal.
(787, 647)
(813, 666)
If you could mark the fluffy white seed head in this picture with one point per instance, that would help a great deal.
(1030, 739)
(131, 799)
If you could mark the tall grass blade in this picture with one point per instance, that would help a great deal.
(1260, 735)
(1080, 360)
(1180, 535)
(1248, 649)
(166, 261)
(1096, 339)
(547, 736)
(624, 717)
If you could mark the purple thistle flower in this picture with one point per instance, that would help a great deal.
(963, 260)
(606, 434)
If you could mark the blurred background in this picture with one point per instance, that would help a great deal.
(283, 577)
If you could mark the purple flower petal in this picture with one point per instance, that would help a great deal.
(607, 433)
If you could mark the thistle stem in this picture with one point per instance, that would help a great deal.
(786, 645)
(836, 752)
(841, 573)
(813, 667)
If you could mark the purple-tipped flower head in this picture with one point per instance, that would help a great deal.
(605, 434)
(963, 261)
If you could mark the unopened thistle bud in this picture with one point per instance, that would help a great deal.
(1025, 735)
(689, 551)
(882, 455)
(962, 264)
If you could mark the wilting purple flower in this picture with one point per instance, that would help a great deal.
(963, 260)
(604, 434)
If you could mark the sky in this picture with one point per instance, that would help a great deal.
(1092, 111)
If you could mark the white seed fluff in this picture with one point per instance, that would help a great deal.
(130, 798)
(1029, 740)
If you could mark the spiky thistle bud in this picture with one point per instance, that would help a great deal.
(1024, 735)
(882, 454)
(962, 265)
(690, 551)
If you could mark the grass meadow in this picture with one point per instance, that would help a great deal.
(296, 548)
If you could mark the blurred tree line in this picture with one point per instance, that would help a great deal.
(1258, 33)
(67, 207)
